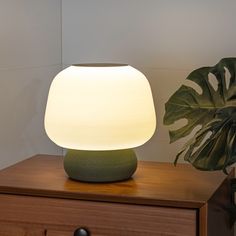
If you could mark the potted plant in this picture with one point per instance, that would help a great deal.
(213, 146)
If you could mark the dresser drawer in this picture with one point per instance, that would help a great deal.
(59, 233)
(13, 229)
(100, 218)
(67, 233)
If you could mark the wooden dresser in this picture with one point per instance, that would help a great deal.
(37, 199)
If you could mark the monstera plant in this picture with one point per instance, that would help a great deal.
(213, 108)
(213, 146)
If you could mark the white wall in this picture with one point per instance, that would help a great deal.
(165, 39)
(30, 56)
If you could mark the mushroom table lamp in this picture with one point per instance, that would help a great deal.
(99, 112)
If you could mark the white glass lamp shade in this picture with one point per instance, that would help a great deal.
(100, 107)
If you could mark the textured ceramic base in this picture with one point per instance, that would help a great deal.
(100, 166)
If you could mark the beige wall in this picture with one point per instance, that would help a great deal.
(165, 39)
(30, 56)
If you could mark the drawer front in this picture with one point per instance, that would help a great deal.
(7, 229)
(68, 233)
(59, 233)
(99, 217)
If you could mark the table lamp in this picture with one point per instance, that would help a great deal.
(99, 112)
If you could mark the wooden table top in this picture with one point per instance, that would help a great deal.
(154, 183)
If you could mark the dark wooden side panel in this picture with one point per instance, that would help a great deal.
(100, 218)
(213, 216)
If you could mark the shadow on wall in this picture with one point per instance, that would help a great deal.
(22, 103)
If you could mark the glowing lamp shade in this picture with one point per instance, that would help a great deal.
(100, 107)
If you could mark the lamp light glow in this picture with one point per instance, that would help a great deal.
(100, 108)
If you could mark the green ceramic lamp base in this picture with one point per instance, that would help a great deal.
(100, 166)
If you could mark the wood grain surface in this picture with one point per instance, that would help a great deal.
(116, 219)
(214, 218)
(154, 183)
(58, 233)
(15, 229)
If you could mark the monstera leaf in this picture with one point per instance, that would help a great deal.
(213, 146)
